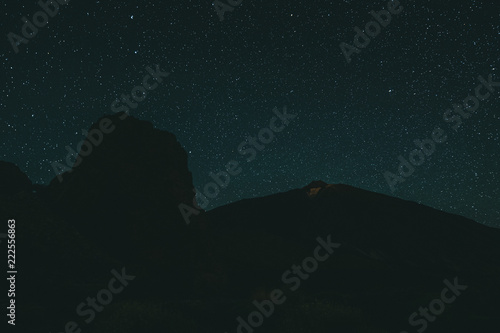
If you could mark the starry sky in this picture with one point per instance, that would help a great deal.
(353, 119)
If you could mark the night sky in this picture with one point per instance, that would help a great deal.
(226, 77)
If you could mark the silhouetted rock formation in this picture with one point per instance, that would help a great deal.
(125, 194)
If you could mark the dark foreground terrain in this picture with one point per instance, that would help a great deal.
(107, 250)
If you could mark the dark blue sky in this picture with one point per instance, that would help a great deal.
(354, 119)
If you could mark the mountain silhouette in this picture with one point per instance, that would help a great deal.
(120, 208)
